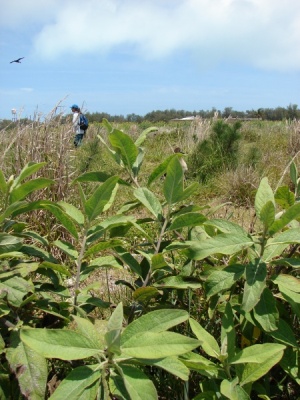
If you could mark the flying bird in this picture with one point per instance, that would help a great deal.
(18, 60)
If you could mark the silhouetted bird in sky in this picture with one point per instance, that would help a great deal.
(18, 60)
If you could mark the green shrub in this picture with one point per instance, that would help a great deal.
(217, 152)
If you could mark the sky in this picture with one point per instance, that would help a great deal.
(136, 56)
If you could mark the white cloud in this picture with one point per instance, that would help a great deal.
(264, 33)
(18, 14)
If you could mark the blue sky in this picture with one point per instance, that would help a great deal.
(136, 56)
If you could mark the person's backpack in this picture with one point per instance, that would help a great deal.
(83, 122)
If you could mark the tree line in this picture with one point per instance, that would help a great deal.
(290, 112)
(272, 114)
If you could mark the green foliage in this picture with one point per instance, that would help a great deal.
(216, 153)
(214, 307)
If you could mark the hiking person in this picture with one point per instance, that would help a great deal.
(80, 124)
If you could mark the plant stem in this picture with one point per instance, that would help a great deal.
(78, 266)
(157, 248)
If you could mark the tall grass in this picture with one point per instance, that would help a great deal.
(265, 149)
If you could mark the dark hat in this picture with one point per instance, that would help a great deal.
(75, 106)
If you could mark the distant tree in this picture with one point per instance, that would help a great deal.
(134, 118)
(227, 112)
(293, 112)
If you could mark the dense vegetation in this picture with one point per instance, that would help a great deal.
(290, 112)
(123, 278)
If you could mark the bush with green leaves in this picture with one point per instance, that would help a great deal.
(215, 307)
(216, 153)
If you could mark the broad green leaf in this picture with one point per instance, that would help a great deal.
(208, 342)
(200, 364)
(4, 310)
(128, 259)
(23, 269)
(116, 386)
(59, 343)
(143, 135)
(56, 210)
(103, 246)
(290, 214)
(284, 334)
(149, 200)
(67, 248)
(72, 212)
(116, 156)
(231, 390)
(93, 176)
(114, 328)
(179, 282)
(265, 312)
(102, 197)
(13, 209)
(138, 162)
(11, 254)
(160, 170)
(16, 288)
(95, 302)
(145, 294)
(154, 321)
(294, 173)
(289, 262)
(107, 125)
(287, 237)
(271, 252)
(29, 367)
(188, 192)
(124, 146)
(21, 191)
(173, 184)
(263, 195)
(187, 221)
(267, 214)
(228, 345)
(105, 261)
(86, 328)
(170, 364)
(28, 170)
(138, 385)
(258, 353)
(290, 363)
(58, 290)
(225, 226)
(81, 384)
(153, 344)
(38, 252)
(256, 274)
(115, 221)
(81, 193)
(290, 282)
(158, 262)
(9, 243)
(254, 371)
(221, 280)
(284, 197)
(292, 297)
(36, 236)
(220, 244)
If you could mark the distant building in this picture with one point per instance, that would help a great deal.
(191, 118)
